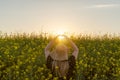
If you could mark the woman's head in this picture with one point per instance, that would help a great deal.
(61, 49)
(60, 52)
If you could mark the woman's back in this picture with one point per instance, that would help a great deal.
(58, 61)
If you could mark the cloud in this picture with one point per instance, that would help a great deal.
(104, 6)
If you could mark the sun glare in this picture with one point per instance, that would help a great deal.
(61, 31)
(61, 37)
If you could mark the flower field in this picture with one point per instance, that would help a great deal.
(22, 57)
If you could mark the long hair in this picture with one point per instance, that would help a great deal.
(60, 64)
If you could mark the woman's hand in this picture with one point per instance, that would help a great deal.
(75, 52)
(64, 36)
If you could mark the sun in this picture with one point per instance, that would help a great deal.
(61, 37)
(61, 31)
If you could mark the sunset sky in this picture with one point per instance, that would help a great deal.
(79, 16)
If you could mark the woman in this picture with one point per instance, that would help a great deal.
(58, 61)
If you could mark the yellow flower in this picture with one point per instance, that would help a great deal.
(64, 77)
(56, 67)
(55, 78)
(50, 75)
(26, 78)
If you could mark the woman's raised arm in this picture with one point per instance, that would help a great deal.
(76, 50)
(49, 46)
